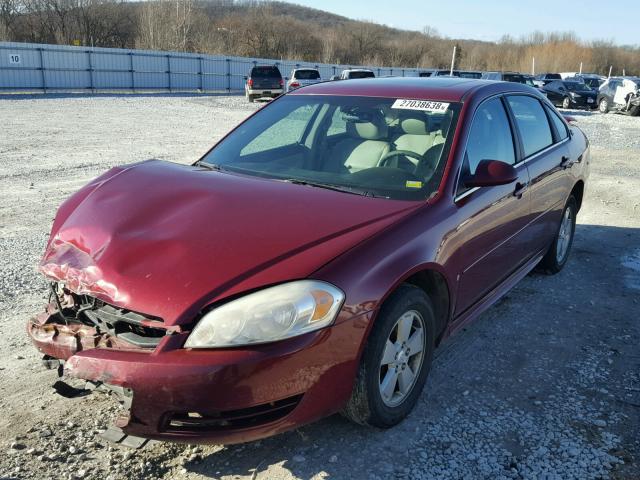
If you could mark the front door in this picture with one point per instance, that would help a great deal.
(491, 231)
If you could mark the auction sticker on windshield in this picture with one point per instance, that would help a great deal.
(423, 105)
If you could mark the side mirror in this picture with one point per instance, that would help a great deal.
(490, 173)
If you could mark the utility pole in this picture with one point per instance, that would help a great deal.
(533, 65)
(610, 68)
(580, 68)
(453, 60)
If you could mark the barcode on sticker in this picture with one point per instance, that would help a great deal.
(423, 105)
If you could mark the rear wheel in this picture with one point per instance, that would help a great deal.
(396, 360)
(603, 105)
(566, 103)
(558, 253)
(251, 98)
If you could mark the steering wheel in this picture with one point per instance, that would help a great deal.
(407, 153)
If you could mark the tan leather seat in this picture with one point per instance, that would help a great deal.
(363, 148)
(422, 138)
(416, 136)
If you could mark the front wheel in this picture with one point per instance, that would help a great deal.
(603, 105)
(558, 253)
(396, 360)
(566, 103)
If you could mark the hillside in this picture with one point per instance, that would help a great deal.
(282, 30)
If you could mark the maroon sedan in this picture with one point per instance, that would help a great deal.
(311, 261)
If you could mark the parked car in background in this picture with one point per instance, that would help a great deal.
(543, 78)
(263, 81)
(300, 77)
(591, 80)
(312, 260)
(353, 73)
(514, 77)
(434, 72)
(571, 94)
(620, 94)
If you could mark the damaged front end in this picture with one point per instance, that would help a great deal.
(72, 323)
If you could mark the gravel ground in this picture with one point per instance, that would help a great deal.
(546, 384)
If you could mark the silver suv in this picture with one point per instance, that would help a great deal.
(356, 73)
(302, 76)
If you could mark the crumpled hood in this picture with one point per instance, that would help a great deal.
(165, 239)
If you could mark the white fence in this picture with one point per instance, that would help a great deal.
(41, 67)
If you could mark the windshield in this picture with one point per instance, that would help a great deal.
(383, 147)
(307, 75)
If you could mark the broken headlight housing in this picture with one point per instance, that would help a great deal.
(268, 315)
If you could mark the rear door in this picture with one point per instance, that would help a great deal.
(544, 139)
(553, 93)
(492, 232)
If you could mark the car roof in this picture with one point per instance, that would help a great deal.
(357, 70)
(450, 89)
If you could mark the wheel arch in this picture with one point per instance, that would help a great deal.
(578, 192)
(435, 285)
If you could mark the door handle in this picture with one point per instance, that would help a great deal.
(521, 187)
(566, 162)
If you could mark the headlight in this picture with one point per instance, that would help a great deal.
(268, 315)
(575, 95)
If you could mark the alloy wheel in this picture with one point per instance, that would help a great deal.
(564, 236)
(604, 105)
(402, 358)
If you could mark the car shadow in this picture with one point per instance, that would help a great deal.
(507, 339)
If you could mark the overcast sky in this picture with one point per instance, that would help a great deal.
(491, 19)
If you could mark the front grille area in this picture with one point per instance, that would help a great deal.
(124, 324)
(110, 324)
(195, 422)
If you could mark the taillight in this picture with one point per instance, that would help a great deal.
(281, 82)
(250, 82)
(294, 84)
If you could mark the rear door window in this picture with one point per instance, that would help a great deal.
(265, 72)
(532, 123)
(561, 128)
(361, 75)
(307, 75)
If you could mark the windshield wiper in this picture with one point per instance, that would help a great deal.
(210, 166)
(329, 186)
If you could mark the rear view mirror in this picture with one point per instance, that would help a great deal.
(490, 173)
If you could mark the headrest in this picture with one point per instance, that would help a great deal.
(417, 124)
(373, 130)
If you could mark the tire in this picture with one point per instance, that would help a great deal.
(603, 105)
(367, 406)
(556, 257)
(634, 111)
(566, 102)
(251, 98)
